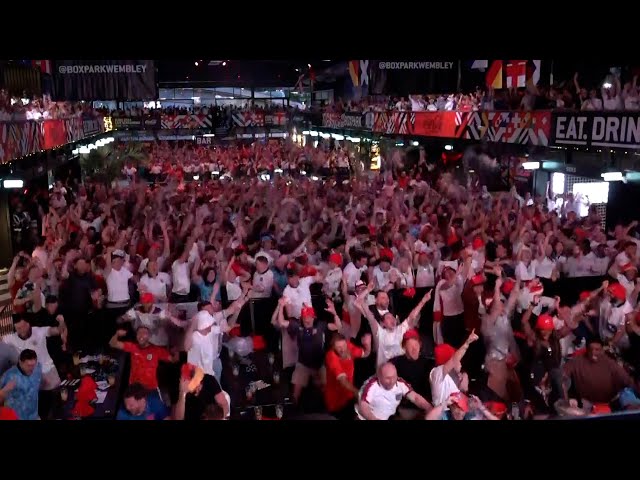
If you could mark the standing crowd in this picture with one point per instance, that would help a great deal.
(403, 296)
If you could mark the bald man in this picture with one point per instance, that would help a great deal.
(381, 395)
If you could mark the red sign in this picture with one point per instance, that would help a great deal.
(434, 124)
(55, 133)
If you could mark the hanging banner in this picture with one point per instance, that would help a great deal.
(596, 129)
(74, 129)
(248, 119)
(18, 139)
(277, 119)
(54, 133)
(505, 127)
(137, 122)
(105, 80)
(195, 121)
(344, 120)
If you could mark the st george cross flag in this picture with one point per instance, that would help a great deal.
(43, 65)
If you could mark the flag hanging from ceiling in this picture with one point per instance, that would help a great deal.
(354, 71)
(533, 72)
(494, 75)
(480, 65)
(516, 73)
(43, 65)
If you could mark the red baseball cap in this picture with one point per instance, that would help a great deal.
(461, 400)
(545, 322)
(308, 312)
(336, 259)
(443, 353)
(409, 334)
(477, 243)
(508, 286)
(146, 298)
(616, 290)
(386, 253)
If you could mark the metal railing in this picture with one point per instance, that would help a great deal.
(6, 320)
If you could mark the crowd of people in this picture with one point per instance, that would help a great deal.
(611, 94)
(402, 295)
(19, 109)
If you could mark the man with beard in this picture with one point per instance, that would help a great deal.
(27, 337)
(340, 393)
(145, 358)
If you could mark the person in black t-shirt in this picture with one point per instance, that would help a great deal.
(198, 392)
(414, 369)
(49, 317)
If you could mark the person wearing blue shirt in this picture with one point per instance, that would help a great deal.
(139, 404)
(20, 384)
(207, 284)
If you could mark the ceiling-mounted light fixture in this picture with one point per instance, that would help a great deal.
(612, 176)
(531, 165)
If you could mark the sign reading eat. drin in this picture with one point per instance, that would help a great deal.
(596, 129)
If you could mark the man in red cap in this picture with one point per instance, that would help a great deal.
(310, 337)
(384, 275)
(447, 376)
(615, 312)
(388, 333)
(153, 317)
(414, 368)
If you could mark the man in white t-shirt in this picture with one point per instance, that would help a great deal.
(614, 310)
(447, 377)
(203, 340)
(388, 334)
(262, 279)
(117, 279)
(354, 270)
(298, 293)
(156, 283)
(35, 338)
(381, 395)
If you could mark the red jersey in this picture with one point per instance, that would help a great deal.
(144, 363)
(336, 397)
(7, 413)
